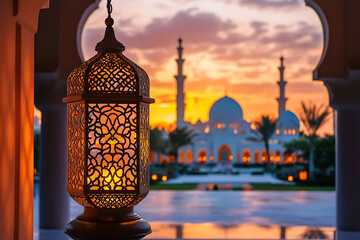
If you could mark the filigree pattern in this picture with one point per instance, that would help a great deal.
(76, 146)
(112, 200)
(144, 80)
(144, 146)
(81, 200)
(112, 74)
(112, 143)
(75, 82)
(108, 143)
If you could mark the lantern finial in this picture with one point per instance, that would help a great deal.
(109, 43)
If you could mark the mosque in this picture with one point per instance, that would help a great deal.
(225, 138)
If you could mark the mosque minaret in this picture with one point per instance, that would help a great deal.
(282, 100)
(180, 97)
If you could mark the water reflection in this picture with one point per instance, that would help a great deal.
(163, 230)
(226, 215)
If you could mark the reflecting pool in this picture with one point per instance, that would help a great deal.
(228, 215)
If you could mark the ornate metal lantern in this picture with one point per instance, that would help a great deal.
(108, 142)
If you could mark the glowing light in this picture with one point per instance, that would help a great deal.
(235, 131)
(211, 158)
(293, 131)
(285, 132)
(277, 131)
(231, 157)
(219, 126)
(154, 177)
(290, 178)
(207, 129)
(303, 175)
(164, 178)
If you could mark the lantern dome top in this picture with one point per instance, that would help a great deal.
(108, 73)
(225, 110)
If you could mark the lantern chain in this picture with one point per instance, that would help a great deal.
(109, 8)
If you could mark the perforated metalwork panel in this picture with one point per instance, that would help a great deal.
(112, 74)
(76, 147)
(112, 143)
(144, 147)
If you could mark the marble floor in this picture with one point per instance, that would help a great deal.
(227, 215)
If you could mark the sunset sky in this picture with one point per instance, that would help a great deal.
(231, 45)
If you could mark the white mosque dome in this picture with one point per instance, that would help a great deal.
(288, 120)
(225, 110)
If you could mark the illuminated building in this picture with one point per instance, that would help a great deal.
(227, 133)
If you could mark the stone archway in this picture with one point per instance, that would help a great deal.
(202, 156)
(224, 154)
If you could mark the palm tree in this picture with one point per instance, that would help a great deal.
(157, 141)
(264, 129)
(178, 138)
(313, 117)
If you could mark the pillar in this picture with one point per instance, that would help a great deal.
(19, 21)
(347, 173)
(54, 201)
(339, 69)
(57, 54)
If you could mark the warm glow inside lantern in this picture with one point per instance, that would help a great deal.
(108, 132)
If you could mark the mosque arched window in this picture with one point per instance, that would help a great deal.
(277, 156)
(246, 156)
(202, 156)
(257, 156)
(288, 158)
(189, 156)
(181, 157)
(264, 156)
(224, 154)
(272, 158)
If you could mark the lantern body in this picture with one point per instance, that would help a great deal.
(108, 132)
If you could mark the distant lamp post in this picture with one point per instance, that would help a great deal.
(108, 142)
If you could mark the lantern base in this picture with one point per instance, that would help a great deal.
(108, 224)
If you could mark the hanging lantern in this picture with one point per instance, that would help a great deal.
(108, 142)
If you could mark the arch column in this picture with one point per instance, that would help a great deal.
(339, 69)
(19, 21)
(57, 53)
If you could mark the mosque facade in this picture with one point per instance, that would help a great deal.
(227, 138)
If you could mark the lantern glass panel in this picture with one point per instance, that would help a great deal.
(112, 141)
